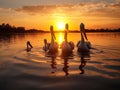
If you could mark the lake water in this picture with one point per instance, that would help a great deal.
(21, 70)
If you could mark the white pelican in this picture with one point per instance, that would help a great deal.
(46, 45)
(83, 46)
(66, 46)
(53, 46)
(29, 46)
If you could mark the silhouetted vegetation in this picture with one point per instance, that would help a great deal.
(8, 29)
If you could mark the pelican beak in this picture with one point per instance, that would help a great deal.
(54, 35)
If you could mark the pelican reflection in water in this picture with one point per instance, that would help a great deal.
(84, 57)
(53, 64)
(65, 58)
(65, 67)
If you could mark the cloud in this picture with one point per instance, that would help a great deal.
(116, 4)
(6, 9)
(107, 10)
(43, 9)
(101, 9)
(39, 9)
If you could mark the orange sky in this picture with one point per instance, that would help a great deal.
(101, 14)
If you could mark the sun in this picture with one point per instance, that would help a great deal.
(60, 25)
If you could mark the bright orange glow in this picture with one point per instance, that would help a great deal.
(60, 25)
(60, 38)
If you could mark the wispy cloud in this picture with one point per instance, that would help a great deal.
(44, 9)
(6, 9)
(85, 9)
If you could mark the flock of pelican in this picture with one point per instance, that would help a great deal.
(67, 46)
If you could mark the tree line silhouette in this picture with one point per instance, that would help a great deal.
(7, 28)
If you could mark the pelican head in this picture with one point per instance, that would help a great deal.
(51, 28)
(66, 26)
(82, 26)
(45, 41)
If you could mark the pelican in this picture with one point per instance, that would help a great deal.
(46, 45)
(53, 46)
(29, 46)
(66, 46)
(83, 46)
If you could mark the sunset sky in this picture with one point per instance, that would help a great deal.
(40, 14)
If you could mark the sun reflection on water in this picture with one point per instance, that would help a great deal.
(60, 38)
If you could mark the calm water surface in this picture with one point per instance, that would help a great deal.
(21, 70)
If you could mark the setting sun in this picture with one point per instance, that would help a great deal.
(60, 25)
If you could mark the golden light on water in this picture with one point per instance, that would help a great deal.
(60, 38)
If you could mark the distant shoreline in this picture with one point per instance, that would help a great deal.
(87, 31)
(8, 29)
(58, 32)
(28, 32)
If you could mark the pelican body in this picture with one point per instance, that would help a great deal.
(83, 46)
(53, 46)
(66, 46)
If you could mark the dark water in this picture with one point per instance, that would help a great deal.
(21, 70)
